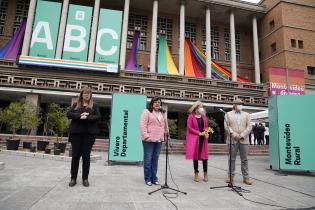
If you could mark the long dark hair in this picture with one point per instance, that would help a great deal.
(154, 99)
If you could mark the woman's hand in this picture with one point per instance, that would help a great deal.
(83, 117)
(85, 113)
(202, 133)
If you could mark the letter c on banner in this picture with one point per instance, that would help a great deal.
(71, 38)
(98, 44)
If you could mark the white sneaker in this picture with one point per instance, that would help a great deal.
(156, 183)
(148, 183)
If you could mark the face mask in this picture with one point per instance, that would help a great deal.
(239, 107)
(201, 110)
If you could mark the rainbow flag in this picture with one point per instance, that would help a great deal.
(166, 63)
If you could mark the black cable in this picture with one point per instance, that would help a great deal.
(276, 185)
(262, 203)
(166, 195)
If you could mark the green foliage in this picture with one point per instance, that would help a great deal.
(20, 115)
(57, 120)
(31, 117)
(212, 122)
(172, 125)
(11, 115)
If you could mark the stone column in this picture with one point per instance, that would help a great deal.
(182, 39)
(62, 29)
(153, 37)
(208, 43)
(124, 35)
(94, 31)
(33, 100)
(233, 47)
(256, 51)
(29, 26)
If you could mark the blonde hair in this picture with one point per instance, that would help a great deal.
(79, 101)
(194, 107)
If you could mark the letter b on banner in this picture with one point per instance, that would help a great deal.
(77, 33)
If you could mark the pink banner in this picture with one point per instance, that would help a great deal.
(281, 89)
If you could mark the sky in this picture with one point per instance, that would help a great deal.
(253, 1)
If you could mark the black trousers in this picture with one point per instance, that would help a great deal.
(204, 165)
(81, 147)
(267, 139)
(204, 162)
(260, 139)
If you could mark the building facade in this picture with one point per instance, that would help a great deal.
(231, 31)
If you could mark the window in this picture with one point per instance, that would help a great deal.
(214, 42)
(3, 14)
(21, 13)
(238, 46)
(165, 26)
(273, 48)
(190, 31)
(311, 70)
(227, 45)
(293, 43)
(272, 25)
(137, 23)
(300, 43)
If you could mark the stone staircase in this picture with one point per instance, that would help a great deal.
(177, 146)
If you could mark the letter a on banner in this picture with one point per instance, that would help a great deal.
(77, 33)
(45, 30)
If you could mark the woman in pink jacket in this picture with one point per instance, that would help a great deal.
(153, 126)
(196, 140)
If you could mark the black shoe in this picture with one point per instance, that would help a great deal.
(72, 182)
(86, 183)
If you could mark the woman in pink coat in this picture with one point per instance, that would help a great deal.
(196, 140)
(153, 128)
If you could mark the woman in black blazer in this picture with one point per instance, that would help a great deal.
(84, 126)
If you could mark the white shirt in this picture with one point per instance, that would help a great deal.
(238, 117)
(158, 115)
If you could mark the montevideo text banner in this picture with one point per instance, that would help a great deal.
(291, 128)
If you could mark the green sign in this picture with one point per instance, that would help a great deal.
(108, 36)
(76, 42)
(291, 128)
(45, 30)
(125, 141)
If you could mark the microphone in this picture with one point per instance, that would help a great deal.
(221, 110)
(162, 110)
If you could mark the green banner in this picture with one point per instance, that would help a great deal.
(77, 36)
(45, 29)
(108, 37)
(292, 132)
(125, 141)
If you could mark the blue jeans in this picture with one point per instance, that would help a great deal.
(150, 160)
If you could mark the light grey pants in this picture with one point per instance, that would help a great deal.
(243, 149)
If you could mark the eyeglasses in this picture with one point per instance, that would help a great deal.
(157, 102)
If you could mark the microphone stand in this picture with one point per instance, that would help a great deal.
(165, 186)
(230, 184)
